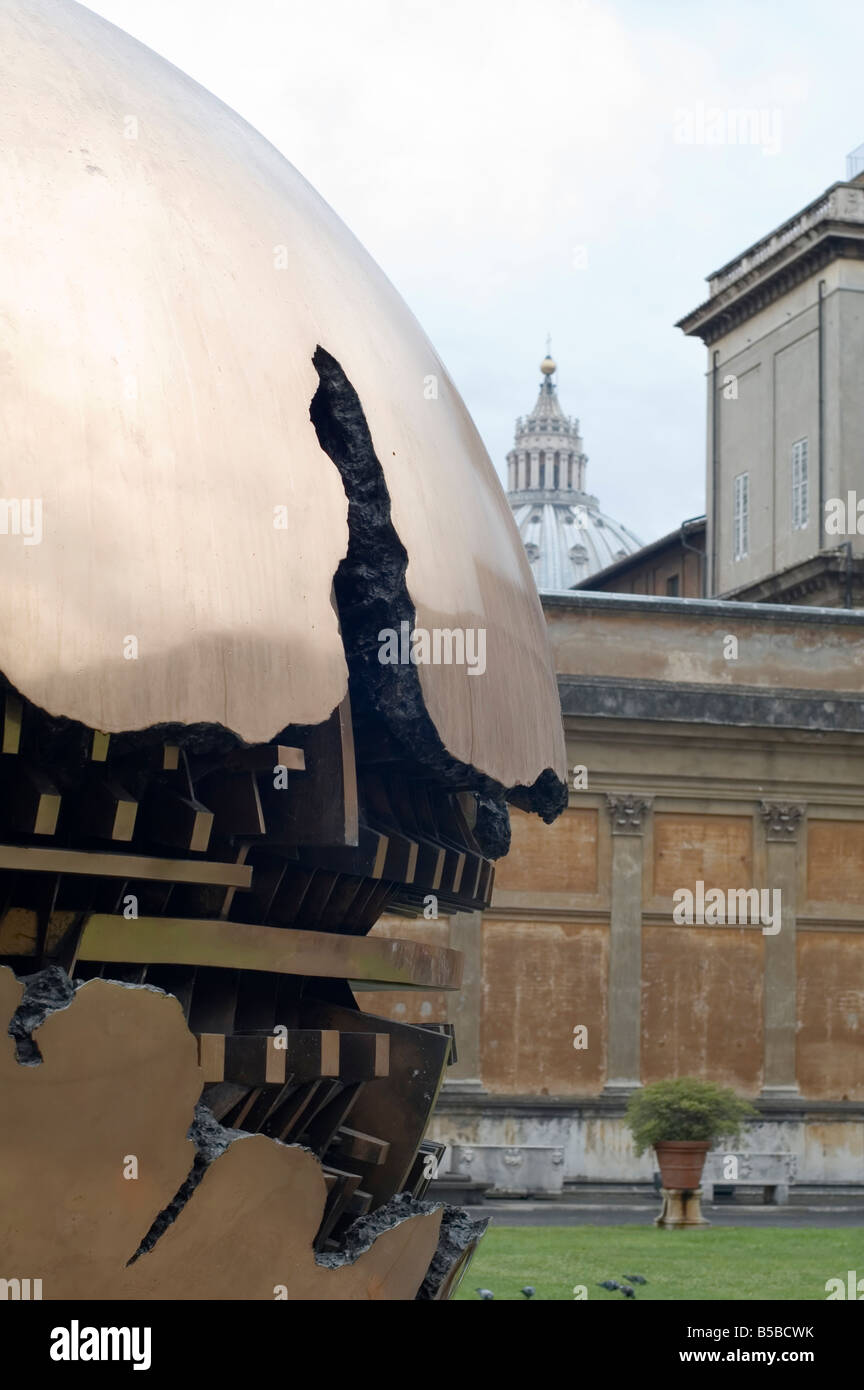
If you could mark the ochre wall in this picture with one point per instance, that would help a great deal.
(551, 858)
(540, 980)
(541, 957)
(715, 849)
(702, 1004)
(566, 941)
(835, 861)
(650, 575)
(831, 1014)
(410, 1006)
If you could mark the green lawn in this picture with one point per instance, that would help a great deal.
(713, 1263)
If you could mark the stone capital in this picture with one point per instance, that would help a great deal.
(628, 813)
(782, 820)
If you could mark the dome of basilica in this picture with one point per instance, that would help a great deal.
(566, 536)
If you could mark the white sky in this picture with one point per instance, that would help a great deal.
(474, 145)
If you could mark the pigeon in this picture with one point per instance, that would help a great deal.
(609, 1284)
(528, 1291)
(486, 1294)
(627, 1291)
(636, 1278)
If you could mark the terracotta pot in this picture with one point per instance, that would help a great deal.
(681, 1162)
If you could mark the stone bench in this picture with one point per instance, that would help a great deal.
(511, 1170)
(773, 1172)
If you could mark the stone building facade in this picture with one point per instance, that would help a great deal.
(717, 747)
(723, 744)
(784, 328)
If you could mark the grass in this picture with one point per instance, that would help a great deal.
(729, 1263)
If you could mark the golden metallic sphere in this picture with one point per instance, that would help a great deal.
(199, 274)
(548, 366)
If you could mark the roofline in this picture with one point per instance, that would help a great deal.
(690, 608)
(788, 223)
(733, 298)
(690, 527)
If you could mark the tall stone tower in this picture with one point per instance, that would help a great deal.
(566, 536)
(784, 327)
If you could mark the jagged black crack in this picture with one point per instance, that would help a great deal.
(361, 1235)
(45, 992)
(51, 989)
(371, 594)
(210, 1139)
(458, 1232)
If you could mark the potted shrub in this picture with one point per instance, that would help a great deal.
(681, 1119)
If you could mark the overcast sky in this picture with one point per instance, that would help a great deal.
(519, 168)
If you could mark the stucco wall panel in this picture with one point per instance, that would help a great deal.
(412, 1006)
(561, 857)
(702, 1005)
(715, 849)
(539, 981)
(835, 861)
(831, 1015)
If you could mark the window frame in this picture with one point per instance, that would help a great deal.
(800, 483)
(740, 516)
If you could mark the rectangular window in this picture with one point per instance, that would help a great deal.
(800, 490)
(672, 586)
(741, 517)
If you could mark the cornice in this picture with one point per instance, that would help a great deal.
(736, 706)
(762, 286)
(795, 1108)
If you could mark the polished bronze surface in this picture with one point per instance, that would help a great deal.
(239, 945)
(165, 279)
(35, 859)
(231, 458)
(117, 1084)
